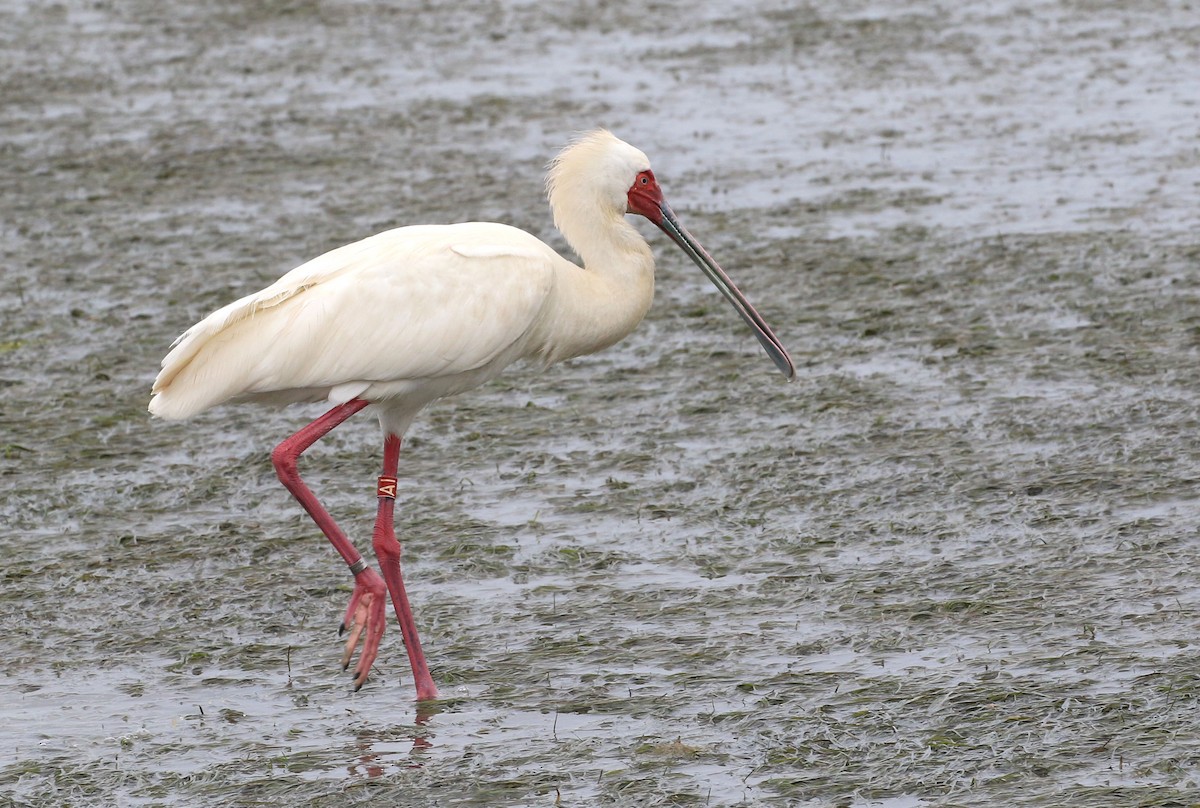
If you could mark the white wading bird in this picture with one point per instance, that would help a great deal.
(414, 314)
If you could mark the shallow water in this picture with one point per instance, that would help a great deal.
(954, 564)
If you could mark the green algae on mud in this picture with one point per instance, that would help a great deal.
(952, 564)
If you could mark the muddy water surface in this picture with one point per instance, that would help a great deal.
(954, 564)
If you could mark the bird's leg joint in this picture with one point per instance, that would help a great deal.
(387, 487)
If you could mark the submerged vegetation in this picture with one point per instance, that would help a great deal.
(954, 564)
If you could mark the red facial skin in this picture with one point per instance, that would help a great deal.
(646, 198)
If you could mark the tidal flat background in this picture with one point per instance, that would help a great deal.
(954, 564)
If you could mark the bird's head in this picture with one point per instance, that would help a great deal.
(599, 176)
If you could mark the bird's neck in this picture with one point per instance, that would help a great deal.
(603, 301)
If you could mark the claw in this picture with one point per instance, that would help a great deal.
(358, 624)
(365, 621)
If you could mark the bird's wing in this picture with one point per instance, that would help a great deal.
(411, 303)
(322, 268)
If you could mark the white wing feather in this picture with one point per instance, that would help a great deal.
(415, 303)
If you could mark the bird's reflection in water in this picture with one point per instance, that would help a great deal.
(377, 749)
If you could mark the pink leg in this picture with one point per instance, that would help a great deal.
(387, 550)
(367, 604)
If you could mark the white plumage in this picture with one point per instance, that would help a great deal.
(407, 306)
(416, 313)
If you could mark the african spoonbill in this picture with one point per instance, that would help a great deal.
(418, 313)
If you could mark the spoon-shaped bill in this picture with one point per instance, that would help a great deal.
(771, 344)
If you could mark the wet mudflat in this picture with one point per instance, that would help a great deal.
(954, 564)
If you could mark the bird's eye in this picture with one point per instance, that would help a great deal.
(645, 180)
